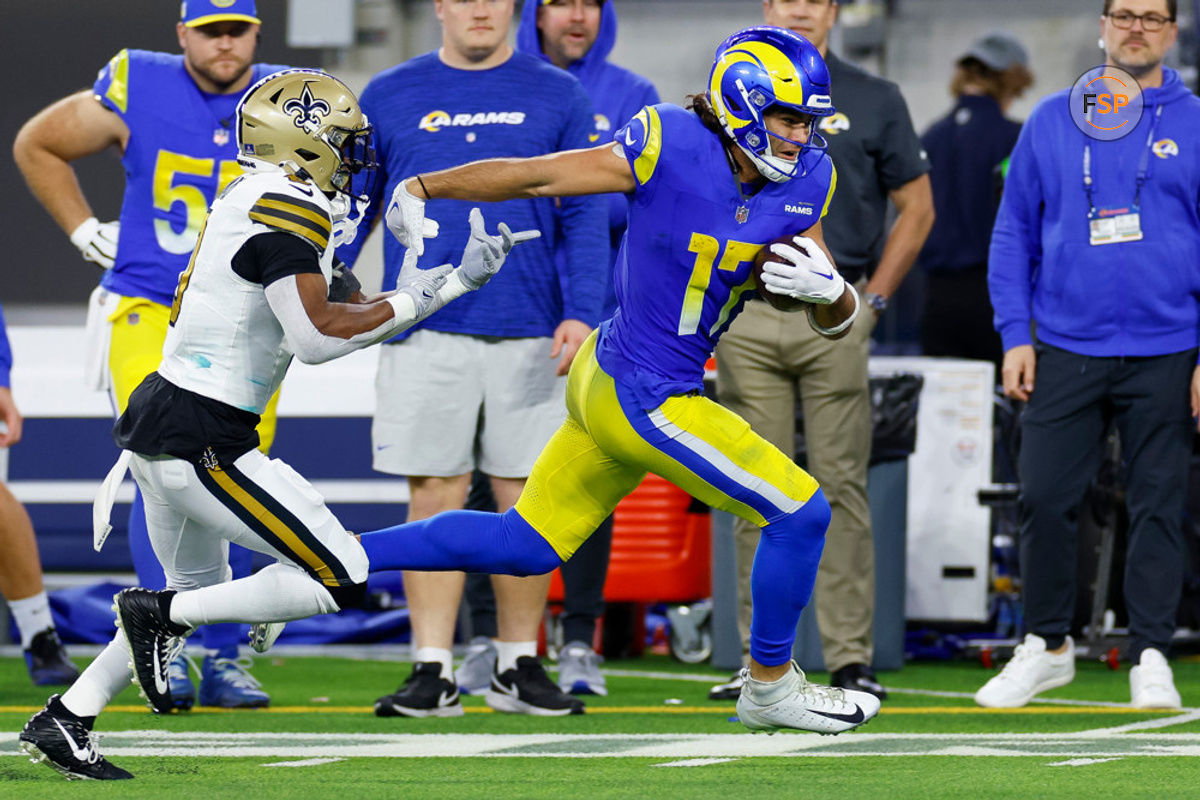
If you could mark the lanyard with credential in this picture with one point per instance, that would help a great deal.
(1143, 165)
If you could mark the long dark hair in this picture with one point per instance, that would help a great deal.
(700, 105)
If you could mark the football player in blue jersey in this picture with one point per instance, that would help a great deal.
(171, 117)
(708, 187)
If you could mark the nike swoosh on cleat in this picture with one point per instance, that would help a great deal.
(511, 691)
(81, 754)
(447, 698)
(160, 683)
(853, 719)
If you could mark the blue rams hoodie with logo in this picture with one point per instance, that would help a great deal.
(1129, 299)
(616, 94)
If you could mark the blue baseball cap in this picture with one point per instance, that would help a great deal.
(195, 13)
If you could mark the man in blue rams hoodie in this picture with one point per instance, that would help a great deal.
(1105, 272)
(575, 35)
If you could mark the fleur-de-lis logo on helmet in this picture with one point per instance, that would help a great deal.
(306, 109)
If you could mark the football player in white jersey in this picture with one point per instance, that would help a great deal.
(261, 287)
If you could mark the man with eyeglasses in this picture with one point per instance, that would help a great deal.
(1095, 249)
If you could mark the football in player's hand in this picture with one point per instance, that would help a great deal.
(782, 302)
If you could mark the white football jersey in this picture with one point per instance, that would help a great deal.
(224, 341)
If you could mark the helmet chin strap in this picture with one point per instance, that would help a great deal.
(770, 167)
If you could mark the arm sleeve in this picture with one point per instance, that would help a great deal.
(267, 257)
(314, 347)
(584, 226)
(1016, 244)
(901, 157)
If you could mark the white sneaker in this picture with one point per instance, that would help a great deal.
(1151, 684)
(1030, 672)
(793, 702)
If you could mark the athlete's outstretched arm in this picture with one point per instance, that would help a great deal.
(319, 329)
(597, 170)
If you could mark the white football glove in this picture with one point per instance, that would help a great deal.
(406, 219)
(804, 273)
(484, 253)
(421, 284)
(97, 241)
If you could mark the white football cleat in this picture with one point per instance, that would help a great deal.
(1031, 671)
(1151, 683)
(264, 634)
(794, 702)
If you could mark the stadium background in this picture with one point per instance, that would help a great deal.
(53, 47)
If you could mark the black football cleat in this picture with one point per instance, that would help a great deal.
(153, 640)
(65, 743)
(47, 662)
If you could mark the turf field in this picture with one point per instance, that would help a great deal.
(655, 736)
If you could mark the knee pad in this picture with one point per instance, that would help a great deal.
(527, 551)
(352, 595)
(809, 522)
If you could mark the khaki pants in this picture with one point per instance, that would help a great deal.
(764, 361)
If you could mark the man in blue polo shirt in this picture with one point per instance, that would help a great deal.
(575, 35)
(492, 371)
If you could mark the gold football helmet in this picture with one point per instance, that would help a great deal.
(309, 122)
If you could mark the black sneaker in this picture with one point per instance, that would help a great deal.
(860, 678)
(47, 661)
(527, 689)
(730, 690)
(64, 742)
(424, 694)
(153, 640)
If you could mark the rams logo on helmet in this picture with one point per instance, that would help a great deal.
(760, 69)
(306, 110)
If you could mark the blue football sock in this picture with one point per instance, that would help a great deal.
(781, 583)
(471, 541)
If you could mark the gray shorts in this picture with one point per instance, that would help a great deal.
(448, 403)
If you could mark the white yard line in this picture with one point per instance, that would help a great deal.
(314, 748)
(307, 762)
(1147, 724)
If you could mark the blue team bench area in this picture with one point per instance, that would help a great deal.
(67, 449)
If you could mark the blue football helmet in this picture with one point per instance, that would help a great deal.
(761, 68)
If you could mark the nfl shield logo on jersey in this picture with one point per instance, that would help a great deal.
(221, 137)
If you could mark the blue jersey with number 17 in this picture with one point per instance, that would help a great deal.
(687, 256)
(181, 152)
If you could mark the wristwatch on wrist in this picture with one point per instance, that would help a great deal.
(875, 301)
